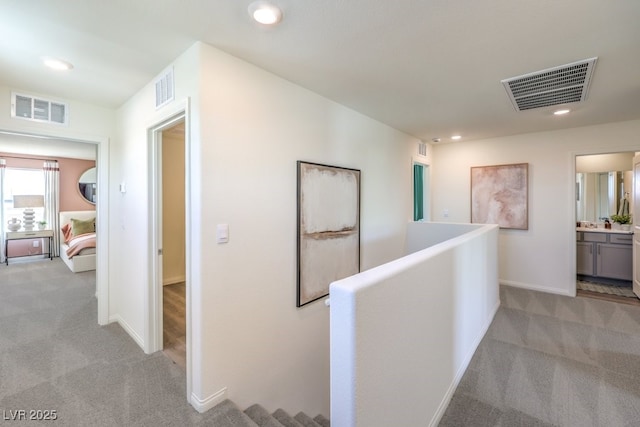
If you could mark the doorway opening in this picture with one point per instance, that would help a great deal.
(173, 219)
(421, 206)
(604, 252)
(39, 145)
(170, 205)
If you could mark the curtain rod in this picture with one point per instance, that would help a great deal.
(27, 158)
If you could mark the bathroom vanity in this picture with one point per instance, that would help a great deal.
(604, 253)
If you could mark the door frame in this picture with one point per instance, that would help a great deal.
(102, 207)
(153, 302)
(426, 186)
(635, 282)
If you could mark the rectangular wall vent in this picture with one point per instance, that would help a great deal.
(165, 88)
(29, 107)
(554, 86)
(422, 149)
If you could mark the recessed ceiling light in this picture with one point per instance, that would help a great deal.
(456, 137)
(57, 64)
(265, 13)
(561, 112)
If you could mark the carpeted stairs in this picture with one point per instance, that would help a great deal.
(227, 414)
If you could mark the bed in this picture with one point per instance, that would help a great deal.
(85, 259)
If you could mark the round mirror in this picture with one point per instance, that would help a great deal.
(87, 185)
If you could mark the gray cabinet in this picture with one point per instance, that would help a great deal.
(585, 257)
(607, 255)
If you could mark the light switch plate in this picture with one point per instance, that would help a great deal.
(222, 233)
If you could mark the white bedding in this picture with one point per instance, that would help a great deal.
(86, 260)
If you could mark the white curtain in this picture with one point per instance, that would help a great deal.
(3, 166)
(52, 202)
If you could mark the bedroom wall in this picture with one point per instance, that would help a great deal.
(542, 257)
(248, 128)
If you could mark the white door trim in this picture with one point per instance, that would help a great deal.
(636, 226)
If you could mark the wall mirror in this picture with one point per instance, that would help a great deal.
(602, 182)
(87, 185)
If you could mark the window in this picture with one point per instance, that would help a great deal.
(22, 182)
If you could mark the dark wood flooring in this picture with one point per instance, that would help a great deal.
(174, 322)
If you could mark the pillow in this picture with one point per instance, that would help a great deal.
(79, 226)
(66, 233)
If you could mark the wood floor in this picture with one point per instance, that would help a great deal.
(175, 329)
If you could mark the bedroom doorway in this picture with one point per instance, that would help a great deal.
(40, 144)
(169, 189)
(173, 244)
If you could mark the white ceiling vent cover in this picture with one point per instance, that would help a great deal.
(554, 86)
(165, 88)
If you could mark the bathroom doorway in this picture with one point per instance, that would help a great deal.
(604, 200)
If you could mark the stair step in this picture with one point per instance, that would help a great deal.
(306, 420)
(261, 416)
(324, 422)
(285, 419)
(227, 414)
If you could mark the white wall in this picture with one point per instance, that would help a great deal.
(129, 216)
(248, 128)
(255, 126)
(542, 257)
(403, 333)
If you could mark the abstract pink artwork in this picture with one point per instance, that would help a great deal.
(499, 195)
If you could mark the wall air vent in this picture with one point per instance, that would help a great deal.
(164, 88)
(554, 86)
(422, 149)
(29, 107)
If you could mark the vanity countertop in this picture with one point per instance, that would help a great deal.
(604, 230)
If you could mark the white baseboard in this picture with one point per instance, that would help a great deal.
(556, 291)
(463, 368)
(203, 405)
(128, 329)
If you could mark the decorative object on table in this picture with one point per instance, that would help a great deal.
(328, 228)
(14, 224)
(42, 225)
(499, 195)
(28, 202)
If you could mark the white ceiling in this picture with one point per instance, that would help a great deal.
(431, 68)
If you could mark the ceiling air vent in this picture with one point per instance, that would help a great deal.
(553, 86)
(164, 88)
(39, 110)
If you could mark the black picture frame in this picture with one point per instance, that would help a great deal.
(328, 228)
